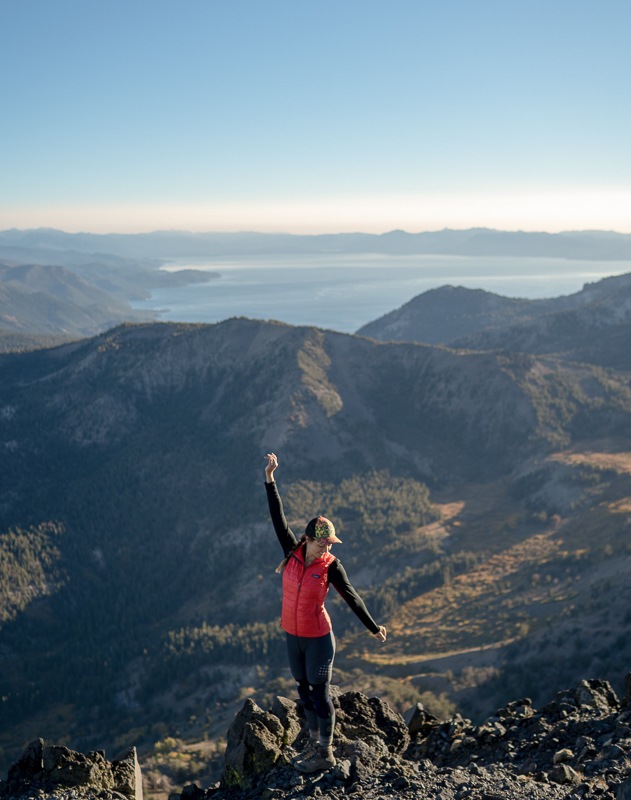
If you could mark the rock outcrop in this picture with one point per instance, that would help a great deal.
(577, 746)
(59, 773)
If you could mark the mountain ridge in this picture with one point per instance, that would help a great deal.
(590, 325)
(606, 245)
(52, 300)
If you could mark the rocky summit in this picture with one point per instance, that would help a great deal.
(576, 746)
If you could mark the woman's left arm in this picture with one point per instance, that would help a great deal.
(339, 579)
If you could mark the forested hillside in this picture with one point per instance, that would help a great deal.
(483, 500)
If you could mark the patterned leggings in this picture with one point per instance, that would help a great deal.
(311, 664)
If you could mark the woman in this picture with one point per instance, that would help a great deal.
(308, 569)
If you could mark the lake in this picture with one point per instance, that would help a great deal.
(344, 292)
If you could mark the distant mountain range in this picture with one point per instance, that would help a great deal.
(54, 245)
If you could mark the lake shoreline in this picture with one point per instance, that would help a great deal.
(344, 292)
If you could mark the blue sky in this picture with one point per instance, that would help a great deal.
(315, 115)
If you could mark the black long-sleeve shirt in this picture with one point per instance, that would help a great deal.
(337, 574)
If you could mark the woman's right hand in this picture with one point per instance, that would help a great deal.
(381, 634)
(272, 464)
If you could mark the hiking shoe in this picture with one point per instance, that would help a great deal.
(307, 752)
(323, 758)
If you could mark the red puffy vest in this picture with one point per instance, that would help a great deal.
(304, 592)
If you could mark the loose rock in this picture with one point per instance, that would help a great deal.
(577, 747)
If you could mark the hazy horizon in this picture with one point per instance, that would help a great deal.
(350, 232)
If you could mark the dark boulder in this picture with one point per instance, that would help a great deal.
(562, 773)
(517, 709)
(419, 721)
(253, 747)
(593, 694)
(45, 769)
(287, 713)
(371, 720)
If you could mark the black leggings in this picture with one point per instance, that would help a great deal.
(311, 664)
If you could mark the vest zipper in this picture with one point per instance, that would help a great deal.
(304, 566)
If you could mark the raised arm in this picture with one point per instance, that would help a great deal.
(285, 535)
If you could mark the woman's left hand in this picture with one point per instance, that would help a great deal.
(382, 633)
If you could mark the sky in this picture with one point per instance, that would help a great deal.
(309, 116)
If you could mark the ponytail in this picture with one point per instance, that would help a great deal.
(299, 544)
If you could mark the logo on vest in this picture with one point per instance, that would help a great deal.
(313, 575)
